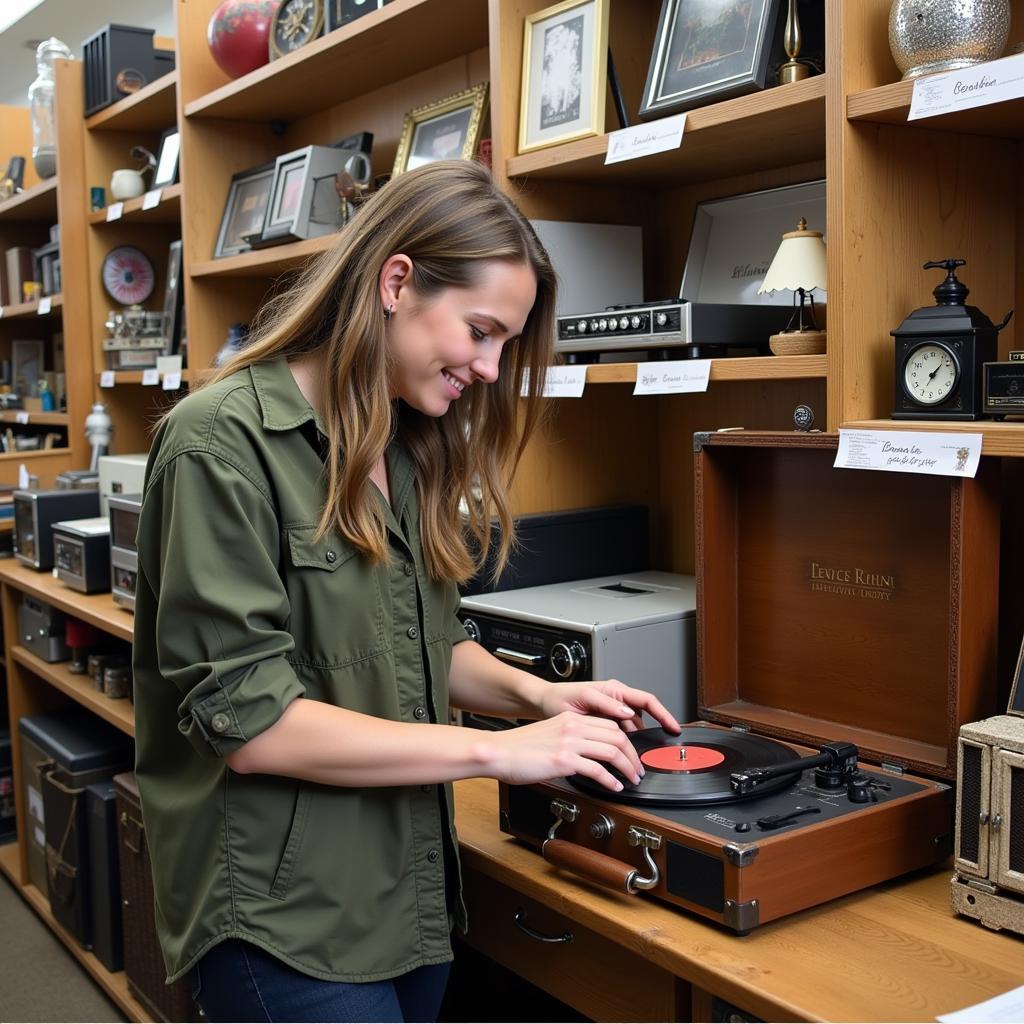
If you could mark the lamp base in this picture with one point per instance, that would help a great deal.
(798, 343)
(793, 71)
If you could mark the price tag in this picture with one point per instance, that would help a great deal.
(172, 381)
(994, 81)
(909, 451)
(23, 479)
(561, 382)
(150, 377)
(21, 417)
(44, 305)
(672, 378)
(151, 198)
(107, 379)
(645, 139)
(168, 364)
(114, 211)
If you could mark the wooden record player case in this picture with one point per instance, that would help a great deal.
(832, 605)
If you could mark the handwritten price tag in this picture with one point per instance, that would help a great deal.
(172, 381)
(45, 304)
(645, 139)
(909, 451)
(151, 198)
(992, 82)
(114, 211)
(107, 379)
(150, 378)
(676, 377)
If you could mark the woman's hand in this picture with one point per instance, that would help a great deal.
(609, 698)
(569, 743)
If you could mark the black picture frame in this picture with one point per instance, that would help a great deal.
(167, 160)
(1015, 705)
(708, 50)
(173, 297)
(343, 12)
(244, 209)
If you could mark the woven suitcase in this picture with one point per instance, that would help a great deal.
(143, 961)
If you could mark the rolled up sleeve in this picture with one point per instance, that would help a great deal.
(456, 631)
(209, 545)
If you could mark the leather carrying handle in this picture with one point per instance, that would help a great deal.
(598, 867)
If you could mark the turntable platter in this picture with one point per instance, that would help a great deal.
(694, 766)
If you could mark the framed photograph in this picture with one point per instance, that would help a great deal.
(26, 366)
(448, 129)
(244, 210)
(173, 299)
(341, 12)
(166, 172)
(565, 74)
(706, 51)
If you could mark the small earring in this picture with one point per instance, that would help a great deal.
(388, 312)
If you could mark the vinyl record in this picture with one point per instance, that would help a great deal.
(694, 767)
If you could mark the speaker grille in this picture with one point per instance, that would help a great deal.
(1016, 810)
(970, 804)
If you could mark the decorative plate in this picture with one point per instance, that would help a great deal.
(128, 275)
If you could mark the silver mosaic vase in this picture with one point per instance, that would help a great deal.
(926, 36)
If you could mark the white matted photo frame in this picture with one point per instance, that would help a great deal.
(565, 74)
(706, 51)
(447, 129)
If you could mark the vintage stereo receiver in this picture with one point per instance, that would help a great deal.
(81, 553)
(1002, 388)
(41, 630)
(35, 512)
(637, 627)
(124, 552)
(989, 880)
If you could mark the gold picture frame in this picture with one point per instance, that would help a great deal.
(447, 129)
(564, 74)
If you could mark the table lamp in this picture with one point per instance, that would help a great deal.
(800, 267)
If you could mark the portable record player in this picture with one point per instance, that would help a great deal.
(859, 636)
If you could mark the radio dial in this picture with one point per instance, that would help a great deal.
(567, 660)
(661, 319)
(472, 630)
(593, 325)
(634, 321)
(581, 326)
(602, 324)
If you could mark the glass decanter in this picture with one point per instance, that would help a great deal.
(41, 101)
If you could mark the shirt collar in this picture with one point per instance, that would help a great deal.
(283, 405)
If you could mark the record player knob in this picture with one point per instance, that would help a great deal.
(634, 321)
(661, 319)
(581, 326)
(567, 659)
(472, 630)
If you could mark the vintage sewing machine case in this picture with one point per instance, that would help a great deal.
(832, 605)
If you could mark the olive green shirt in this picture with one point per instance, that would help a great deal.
(238, 612)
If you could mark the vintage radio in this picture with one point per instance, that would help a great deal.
(1002, 388)
(137, 338)
(124, 552)
(119, 60)
(638, 627)
(35, 512)
(121, 474)
(718, 311)
(989, 880)
(41, 630)
(81, 553)
(846, 625)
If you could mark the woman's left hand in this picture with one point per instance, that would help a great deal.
(609, 698)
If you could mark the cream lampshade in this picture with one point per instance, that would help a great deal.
(799, 266)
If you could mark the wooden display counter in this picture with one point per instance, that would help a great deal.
(894, 952)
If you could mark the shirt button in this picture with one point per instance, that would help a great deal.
(412, 632)
(420, 712)
(220, 722)
(408, 569)
(432, 856)
(331, 556)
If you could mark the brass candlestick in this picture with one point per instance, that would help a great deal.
(793, 70)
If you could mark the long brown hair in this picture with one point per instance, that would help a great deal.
(448, 217)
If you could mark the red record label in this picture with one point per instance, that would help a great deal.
(683, 758)
(128, 275)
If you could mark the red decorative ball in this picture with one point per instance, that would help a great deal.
(238, 35)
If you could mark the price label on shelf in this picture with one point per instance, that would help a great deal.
(172, 381)
(168, 364)
(21, 417)
(560, 382)
(910, 451)
(645, 139)
(45, 304)
(114, 211)
(107, 379)
(151, 378)
(675, 377)
(994, 81)
(151, 198)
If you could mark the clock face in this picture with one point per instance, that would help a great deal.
(930, 373)
(295, 24)
(128, 275)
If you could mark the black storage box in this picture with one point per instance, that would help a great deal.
(104, 875)
(119, 60)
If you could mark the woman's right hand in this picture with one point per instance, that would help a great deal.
(567, 744)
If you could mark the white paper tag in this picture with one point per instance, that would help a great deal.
(150, 377)
(21, 417)
(560, 382)
(23, 476)
(1006, 1007)
(39, 834)
(172, 381)
(168, 364)
(2, 311)
(645, 139)
(107, 379)
(909, 451)
(992, 82)
(675, 377)
(151, 198)
(35, 803)
(45, 304)
(114, 211)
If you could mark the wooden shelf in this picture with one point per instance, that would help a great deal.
(36, 203)
(114, 984)
(998, 438)
(35, 453)
(152, 109)
(167, 211)
(774, 128)
(746, 368)
(119, 713)
(401, 39)
(24, 310)
(278, 259)
(890, 104)
(135, 377)
(97, 609)
(44, 419)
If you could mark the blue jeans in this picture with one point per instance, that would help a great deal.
(237, 981)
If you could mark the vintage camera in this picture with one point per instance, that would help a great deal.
(124, 552)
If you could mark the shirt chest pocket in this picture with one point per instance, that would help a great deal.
(337, 612)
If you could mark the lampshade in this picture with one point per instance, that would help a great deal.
(799, 263)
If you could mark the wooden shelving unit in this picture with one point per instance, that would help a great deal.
(154, 104)
(36, 203)
(749, 368)
(31, 309)
(166, 211)
(274, 260)
(135, 377)
(26, 416)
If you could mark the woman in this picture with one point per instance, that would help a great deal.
(296, 647)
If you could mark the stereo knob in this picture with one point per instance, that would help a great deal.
(661, 319)
(593, 325)
(602, 324)
(634, 321)
(472, 630)
(581, 326)
(567, 660)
